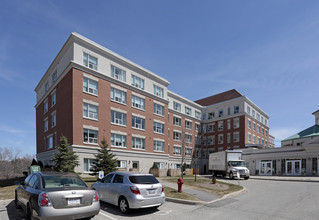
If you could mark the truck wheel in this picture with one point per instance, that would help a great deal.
(231, 176)
(246, 178)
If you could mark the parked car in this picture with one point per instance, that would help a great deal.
(56, 195)
(130, 190)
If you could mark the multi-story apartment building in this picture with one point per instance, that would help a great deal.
(89, 93)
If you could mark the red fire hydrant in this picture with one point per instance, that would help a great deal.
(180, 183)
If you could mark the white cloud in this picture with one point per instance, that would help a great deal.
(11, 130)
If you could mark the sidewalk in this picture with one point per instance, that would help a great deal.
(288, 178)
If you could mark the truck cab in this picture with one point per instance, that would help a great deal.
(238, 166)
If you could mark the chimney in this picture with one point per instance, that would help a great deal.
(316, 114)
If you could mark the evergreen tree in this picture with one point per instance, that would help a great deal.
(105, 159)
(65, 160)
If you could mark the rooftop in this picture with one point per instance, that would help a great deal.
(309, 132)
(221, 97)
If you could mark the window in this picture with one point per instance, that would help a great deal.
(53, 99)
(211, 127)
(253, 113)
(211, 115)
(90, 86)
(120, 164)
(158, 127)
(118, 140)
(197, 127)
(220, 139)
(249, 124)
(46, 106)
(118, 118)
(88, 164)
(135, 164)
(262, 131)
(197, 140)
(220, 113)
(90, 136)
(220, 125)
(228, 124)
(138, 102)
(177, 121)
(236, 137)
(197, 114)
(46, 124)
(236, 122)
(204, 128)
(137, 82)
(188, 151)
(118, 73)
(228, 111)
(258, 128)
(249, 137)
(204, 140)
(46, 87)
(266, 132)
(158, 109)
(204, 116)
(177, 150)
(248, 110)
(262, 119)
(138, 143)
(228, 138)
(211, 140)
(118, 96)
(188, 124)
(254, 126)
(158, 91)
(159, 146)
(177, 106)
(254, 139)
(89, 61)
(236, 109)
(53, 119)
(258, 117)
(50, 142)
(258, 140)
(90, 111)
(177, 136)
(138, 122)
(188, 138)
(188, 111)
(266, 122)
(54, 77)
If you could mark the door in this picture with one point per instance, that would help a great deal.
(293, 167)
(265, 168)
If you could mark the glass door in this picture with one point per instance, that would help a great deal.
(266, 168)
(293, 167)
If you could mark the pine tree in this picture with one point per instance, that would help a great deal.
(105, 159)
(65, 160)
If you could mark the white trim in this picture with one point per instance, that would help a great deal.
(160, 103)
(138, 115)
(119, 110)
(177, 131)
(118, 132)
(53, 91)
(158, 139)
(158, 121)
(90, 102)
(90, 77)
(138, 95)
(118, 87)
(138, 136)
(178, 116)
(90, 127)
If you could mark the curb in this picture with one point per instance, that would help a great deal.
(288, 180)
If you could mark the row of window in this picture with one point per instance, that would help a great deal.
(256, 115)
(257, 140)
(211, 127)
(210, 140)
(53, 121)
(177, 136)
(178, 122)
(46, 102)
(187, 110)
(119, 74)
(220, 113)
(54, 77)
(260, 130)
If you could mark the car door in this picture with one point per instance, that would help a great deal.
(22, 192)
(103, 187)
(116, 188)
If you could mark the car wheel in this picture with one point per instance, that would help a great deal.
(29, 212)
(231, 176)
(16, 202)
(246, 178)
(123, 205)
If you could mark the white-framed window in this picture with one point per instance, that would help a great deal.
(266, 132)
(228, 138)
(135, 164)
(236, 137)
(121, 164)
(158, 127)
(138, 143)
(258, 117)
(118, 73)
(177, 150)
(158, 146)
(90, 136)
(137, 82)
(188, 111)
(160, 165)
(220, 139)
(158, 91)
(88, 164)
(53, 99)
(197, 127)
(46, 106)
(188, 138)
(211, 127)
(50, 142)
(138, 102)
(262, 119)
(254, 139)
(248, 109)
(236, 109)
(211, 115)
(236, 123)
(177, 106)
(253, 113)
(138, 122)
(204, 128)
(177, 136)
(90, 111)
(220, 125)
(228, 110)
(118, 140)
(118, 118)
(249, 124)
(54, 77)
(258, 140)
(158, 109)
(220, 113)
(197, 114)
(188, 124)
(46, 87)
(249, 137)
(211, 140)
(46, 124)
(89, 61)
(118, 96)
(177, 121)
(188, 151)
(258, 128)
(90, 86)
(254, 126)
(197, 140)
(262, 141)
(266, 122)
(228, 124)
(53, 119)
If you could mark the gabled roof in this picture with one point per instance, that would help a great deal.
(221, 97)
(309, 132)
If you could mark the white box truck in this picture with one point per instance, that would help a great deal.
(228, 163)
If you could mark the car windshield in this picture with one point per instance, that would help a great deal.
(143, 179)
(50, 182)
(237, 163)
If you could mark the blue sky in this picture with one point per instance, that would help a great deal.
(267, 50)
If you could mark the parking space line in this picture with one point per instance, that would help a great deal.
(110, 217)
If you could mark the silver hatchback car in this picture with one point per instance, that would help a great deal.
(130, 190)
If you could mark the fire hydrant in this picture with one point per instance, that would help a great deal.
(180, 183)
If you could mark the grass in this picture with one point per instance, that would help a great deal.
(7, 192)
(172, 193)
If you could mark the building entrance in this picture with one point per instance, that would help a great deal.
(265, 168)
(293, 167)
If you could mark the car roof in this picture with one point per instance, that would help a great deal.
(62, 174)
(130, 173)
